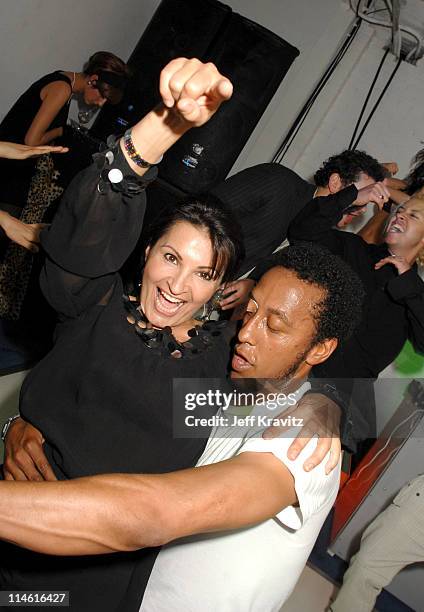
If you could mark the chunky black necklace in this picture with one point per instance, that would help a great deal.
(201, 337)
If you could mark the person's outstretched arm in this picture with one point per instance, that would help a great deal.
(11, 150)
(122, 512)
(316, 221)
(191, 93)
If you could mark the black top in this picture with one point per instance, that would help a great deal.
(102, 397)
(15, 174)
(264, 198)
(394, 304)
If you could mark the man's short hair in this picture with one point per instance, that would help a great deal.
(349, 165)
(340, 311)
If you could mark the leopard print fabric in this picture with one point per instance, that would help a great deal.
(15, 270)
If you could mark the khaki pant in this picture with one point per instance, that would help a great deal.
(392, 541)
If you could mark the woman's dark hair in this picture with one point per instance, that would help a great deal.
(349, 165)
(113, 74)
(415, 178)
(340, 311)
(223, 230)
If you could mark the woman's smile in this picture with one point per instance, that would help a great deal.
(178, 278)
(166, 303)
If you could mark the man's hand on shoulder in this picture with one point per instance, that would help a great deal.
(320, 416)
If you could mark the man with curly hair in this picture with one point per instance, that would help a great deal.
(280, 194)
(247, 516)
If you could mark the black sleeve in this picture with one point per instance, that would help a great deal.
(408, 289)
(264, 199)
(95, 230)
(315, 222)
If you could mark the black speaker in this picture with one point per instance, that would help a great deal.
(255, 59)
(179, 28)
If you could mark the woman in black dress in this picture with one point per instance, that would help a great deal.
(101, 400)
(40, 114)
(34, 187)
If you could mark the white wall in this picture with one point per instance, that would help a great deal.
(396, 130)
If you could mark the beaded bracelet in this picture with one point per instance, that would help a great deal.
(117, 175)
(133, 153)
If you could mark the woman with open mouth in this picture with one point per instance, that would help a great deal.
(101, 400)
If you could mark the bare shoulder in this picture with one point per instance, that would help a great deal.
(57, 89)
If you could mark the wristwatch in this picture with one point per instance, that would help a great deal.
(7, 424)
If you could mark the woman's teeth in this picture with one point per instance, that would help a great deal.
(170, 298)
(167, 303)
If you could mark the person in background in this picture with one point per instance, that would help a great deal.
(400, 191)
(394, 540)
(34, 187)
(394, 305)
(40, 114)
(412, 184)
(281, 194)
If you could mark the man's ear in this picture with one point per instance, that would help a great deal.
(321, 352)
(335, 183)
(146, 252)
